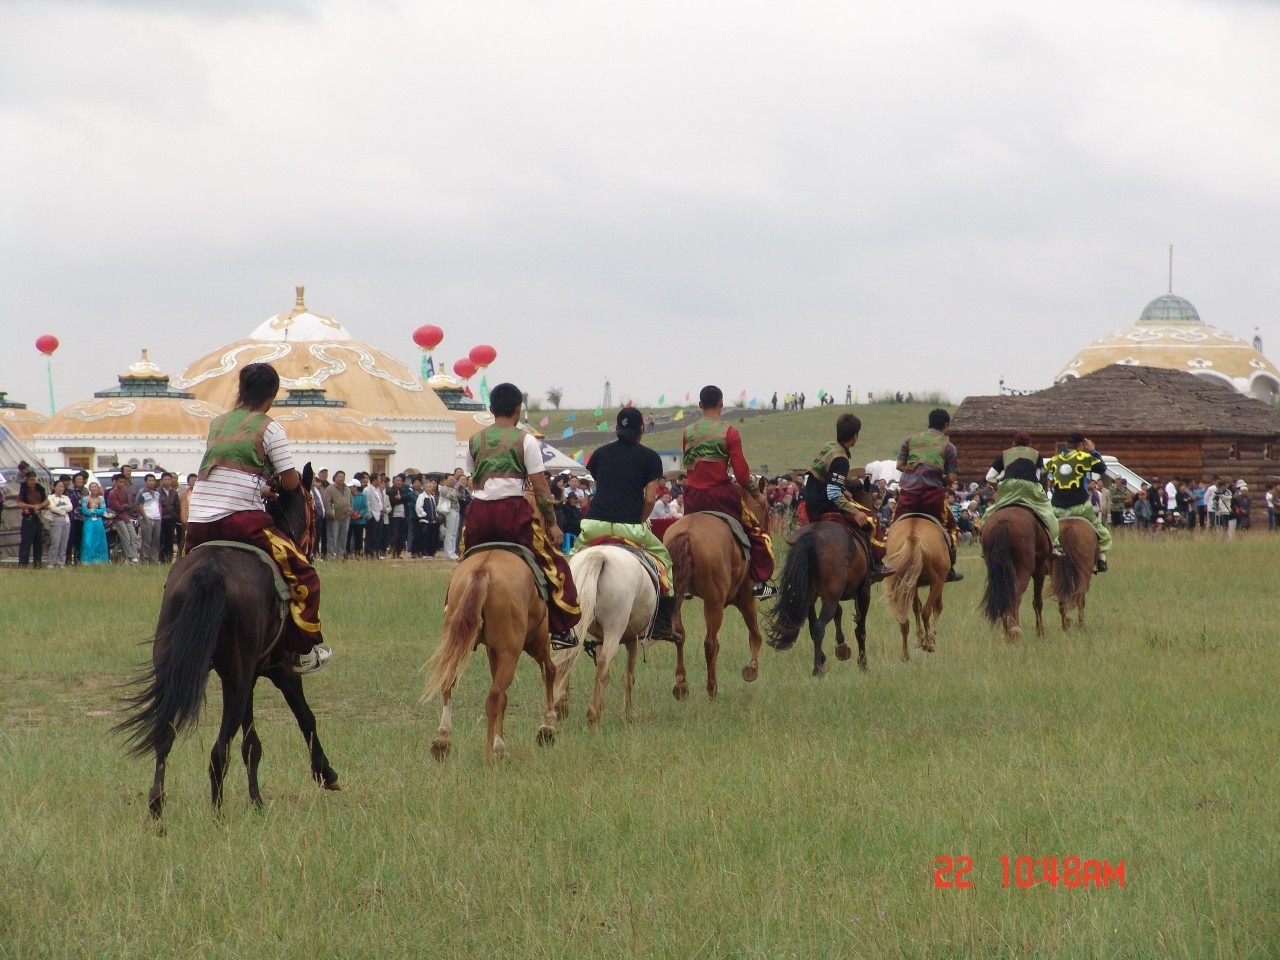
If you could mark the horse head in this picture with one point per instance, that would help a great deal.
(858, 491)
(753, 496)
(293, 511)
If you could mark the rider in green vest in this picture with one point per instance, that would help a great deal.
(1020, 479)
(1069, 473)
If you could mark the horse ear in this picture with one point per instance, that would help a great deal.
(760, 484)
(307, 476)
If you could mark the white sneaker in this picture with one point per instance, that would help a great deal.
(311, 661)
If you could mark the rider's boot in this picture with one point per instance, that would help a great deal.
(952, 574)
(564, 640)
(662, 628)
(1102, 564)
(311, 661)
(1057, 550)
(879, 571)
(764, 590)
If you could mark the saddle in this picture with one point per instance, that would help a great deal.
(277, 580)
(1039, 519)
(648, 562)
(1062, 520)
(735, 527)
(926, 516)
(525, 554)
(860, 535)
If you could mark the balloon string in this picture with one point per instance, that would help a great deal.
(53, 408)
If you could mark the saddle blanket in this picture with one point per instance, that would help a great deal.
(651, 566)
(525, 554)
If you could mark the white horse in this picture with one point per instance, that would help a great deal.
(618, 600)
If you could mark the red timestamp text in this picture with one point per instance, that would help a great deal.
(1069, 872)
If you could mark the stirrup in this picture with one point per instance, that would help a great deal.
(589, 647)
(1101, 566)
(879, 572)
(1058, 551)
(954, 575)
(666, 632)
(564, 641)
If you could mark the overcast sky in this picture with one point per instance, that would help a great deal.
(911, 195)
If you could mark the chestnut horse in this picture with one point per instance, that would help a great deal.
(220, 612)
(826, 562)
(916, 548)
(492, 600)
(1073, 573)
(1017, 549)
(709, 564)
(618, 599)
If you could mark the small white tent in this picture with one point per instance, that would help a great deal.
(12, 453)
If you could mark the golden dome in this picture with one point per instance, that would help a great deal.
(302, 344)
(331, 425)
(471, 422)
(130, 416)
(21, 422)
(1170, 335)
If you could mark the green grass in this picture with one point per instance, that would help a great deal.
(792, 817)
(782, 440)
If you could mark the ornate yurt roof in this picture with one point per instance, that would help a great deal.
(1170, 334)
(310, 417)
(301, 344)
(453, 394)
(143, 405)
(20, 421)
(471, 422)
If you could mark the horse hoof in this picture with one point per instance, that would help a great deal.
(546, 736)
(1014, 635)
(712, 692)
(440, 749)
(750, 672)
(680, 691)
(843, 651)
(562, 710)
(862, 664)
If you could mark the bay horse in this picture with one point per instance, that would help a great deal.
(1017, 550)
(618, 600)
(709, 564)
(1073, 572)
(220, 612)
(826, 563)
(492, 600)
(917, 549)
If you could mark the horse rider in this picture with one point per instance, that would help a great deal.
(1020, 480)
(245, 447)
(824, 492)
(711, 449)
(503, 460)
(1069, 474)
(929, 464)
(627, 474)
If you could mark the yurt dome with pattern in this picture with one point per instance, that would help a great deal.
(1170, 334)
(18, 420)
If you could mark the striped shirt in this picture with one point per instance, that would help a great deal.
(226, 491)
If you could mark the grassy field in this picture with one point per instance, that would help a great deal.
(782, 441)
(791, 818)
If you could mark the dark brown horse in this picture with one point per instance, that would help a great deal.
(1017, 550)
(826, 563)
(1073, 572)
(494, 601)
(220, 611)
(710, 565)
(917, 549)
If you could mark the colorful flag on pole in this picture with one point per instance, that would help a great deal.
(821, 394)
(602, 426)
(571, 417)
(742, 395)
(752, 404)
(679, 415)
(662, 398)
(544, 421)
(428, 367)
(686, 396)
(568, 432)
(578, 455)
(597, 412)
(484, 390)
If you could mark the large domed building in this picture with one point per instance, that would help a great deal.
(314, 349)
(329, 433)
(18, 420)
(144, 421)
(1170, 335)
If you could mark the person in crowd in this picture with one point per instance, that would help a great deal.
(398, 500)
(59, 524)
(246, 447)
(626, 476)
(320, 548)
(77, 492)
(120, 502)
(501, 460)
(170, 515)
(929, 463)
(1270, 495)
(359, 516)
(824, 492)
(1224, 504)
(1020, 479)
(427, 512)
(1242, 506)
(662, 507)
(337, 511)
(712, 449)
(33, 499)
(1069, 473)
(149, 518)
(373, 545)
(93, 534)
(447, 507)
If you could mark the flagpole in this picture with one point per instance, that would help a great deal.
(53, 407)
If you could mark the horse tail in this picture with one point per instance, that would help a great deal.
(587, 581)
(791, 609)
(460, 635)
(908, 561)
(682, 561)
(1001, 593)
(179, 674)
(1068, 583)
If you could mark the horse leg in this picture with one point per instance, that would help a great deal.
(568, 659)
(440, 745)
(604, 664)
(862, 604)
(920, 610)
(629, 678)
(502, 668)
(714, 613)
(234, 700)
(251, 751)
(817, 632)
(155, 798)
(1062, 613)
(681, 689)
(547, 732)
(1037, 602)
(754, 639)
(932, 609)
(290, 686)
(842, 645)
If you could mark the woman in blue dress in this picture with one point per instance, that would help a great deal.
(93, 537)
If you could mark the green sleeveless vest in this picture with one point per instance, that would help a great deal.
(497, 452)
(821, 465)
(236, 441)
(927, 447)
(706, 440)
(1021, 453)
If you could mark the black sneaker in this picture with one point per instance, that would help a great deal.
(1101, 567)
(879, 571)
(563, 641)
(953, 575)
(764, 590)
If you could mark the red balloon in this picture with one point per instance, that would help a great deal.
(483, 355)
(428, 337)
(464, 368)
(47, 344)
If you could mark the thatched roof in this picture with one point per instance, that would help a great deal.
(1122, 399)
